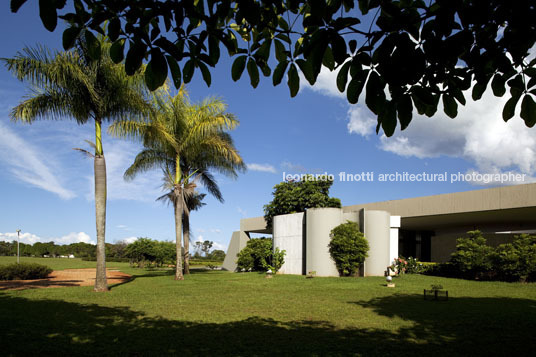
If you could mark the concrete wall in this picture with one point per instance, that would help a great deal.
(238, 242)
(479, 200)
(288, 236)
(378, 234)
(319, 223)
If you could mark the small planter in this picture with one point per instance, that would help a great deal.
(269, 274)
(311, 274)
(434, 294)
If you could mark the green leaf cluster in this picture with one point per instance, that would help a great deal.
(259, 255)
(144, 251)
(297, 196)
(406, 56)
(473, 257)
(348, 248)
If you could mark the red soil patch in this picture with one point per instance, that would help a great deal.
(63, 278)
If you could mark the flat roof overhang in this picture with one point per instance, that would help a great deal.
(515, 219)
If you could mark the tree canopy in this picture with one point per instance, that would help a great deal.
(297, 196)
(406, 55)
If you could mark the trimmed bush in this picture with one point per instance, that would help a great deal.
(516, 261)
(473, 257)
(258, 255)
(348, 248)
(24, 271)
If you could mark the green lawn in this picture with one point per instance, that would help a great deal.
(61, 263)
(220, 313)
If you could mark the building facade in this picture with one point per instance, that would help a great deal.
(422, 227)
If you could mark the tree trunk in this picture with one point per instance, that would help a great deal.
(186, 238)
(178, 231)
(100, 213)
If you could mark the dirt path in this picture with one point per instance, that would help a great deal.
(63, 278)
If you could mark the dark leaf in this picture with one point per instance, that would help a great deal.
(205, 72)
(355, 87)
(528, 110)
(404, 108)
(175, 71)
(188, 71)
(280, 52)
(387, 118)
(16, 4)
(117, 51)
(69, 37)
(253, 72)
(279, 72)
(450, 107)
(375, 96)
(352, 44)
(238, 67)
(307, 70)
(114, 27)
(293, 80)
(478, 90)
(498, 85)
(48, 15)
(93, 46)
(510, 107)
(328, 60)
(342, 77)
(134, 58)
(156, 71)
(214, 50)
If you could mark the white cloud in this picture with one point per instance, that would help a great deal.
(262, 168)
(128, 240)
(219, 246)
(326, 84)
(30, 164)
(360, 121)
(29, 238)
(215, 230)
(478, 134)
(295, 168)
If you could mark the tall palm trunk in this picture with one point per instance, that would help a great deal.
(177, 204)
(100, 210)
(186, 238)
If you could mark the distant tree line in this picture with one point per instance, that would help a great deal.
(142, 252)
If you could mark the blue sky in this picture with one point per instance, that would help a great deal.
(46, 187)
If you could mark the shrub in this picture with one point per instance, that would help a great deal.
(516, 261)
(473, 257)
(410, 265)
(258, 255)
(348, 248)
(24, 271)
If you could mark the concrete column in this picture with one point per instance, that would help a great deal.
(288, 236)
(377, 232)
(319, 223)
(393, 240)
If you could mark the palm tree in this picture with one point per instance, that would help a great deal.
(73, 85)
(187, 141)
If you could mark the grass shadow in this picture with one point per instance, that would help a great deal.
(54, 327)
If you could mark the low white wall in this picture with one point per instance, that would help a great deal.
(288, 236)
